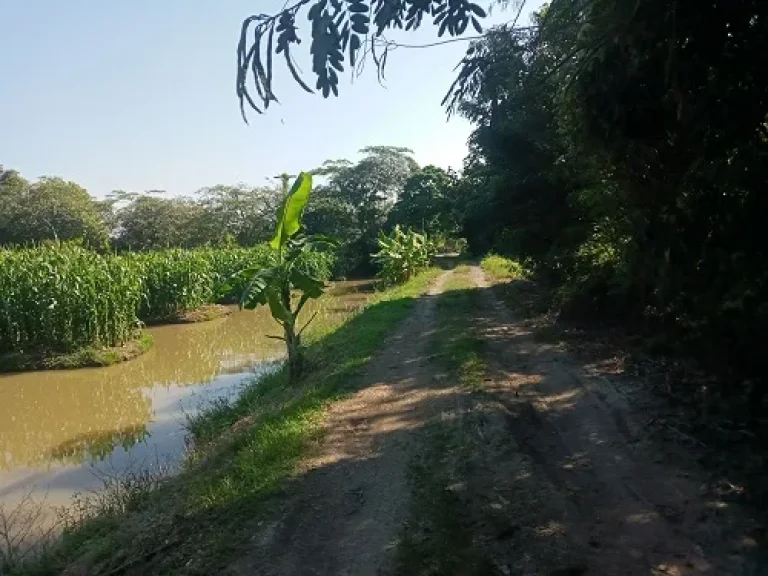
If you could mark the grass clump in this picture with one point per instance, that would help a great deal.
(245, 454)
(501, 268)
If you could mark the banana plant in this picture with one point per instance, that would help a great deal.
(285, 287)
(402, 253)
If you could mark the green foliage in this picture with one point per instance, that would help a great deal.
(356, 202)
(608, 156)
(49, 209)
(227, 262)
(503, 268)
(63, 297)
(428, 202)
(177, 281)
(339, 31)
(244, 214)
(174, 281)
(275, 285)
(153, 223)
(402, 254)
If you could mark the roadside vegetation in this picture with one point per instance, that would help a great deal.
(245, 454)
(402, 253)
(605, 155)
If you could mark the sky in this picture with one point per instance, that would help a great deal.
(140, 95)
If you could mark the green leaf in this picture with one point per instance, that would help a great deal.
(255, 291)
(276, 307)
(312, 287)
(289, 215)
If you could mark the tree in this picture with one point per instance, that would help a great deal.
(49, 209)
(246, 214)
(150, 222)
(360, 196)
(610, 156)
(428, 202)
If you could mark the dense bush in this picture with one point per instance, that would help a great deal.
(63, 298)
(608, 155)
(504, 268)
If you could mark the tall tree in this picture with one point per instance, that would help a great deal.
(428, 202)
(246, 214)
(49, 209)
(361, 195)
(150, 222)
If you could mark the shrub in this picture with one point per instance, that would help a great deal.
(503, 268)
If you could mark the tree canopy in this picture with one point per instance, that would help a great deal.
(620, 149)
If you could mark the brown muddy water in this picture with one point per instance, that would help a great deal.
(62, 432)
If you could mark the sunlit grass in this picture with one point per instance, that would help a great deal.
(501, 268)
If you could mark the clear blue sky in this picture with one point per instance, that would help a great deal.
(140, 95)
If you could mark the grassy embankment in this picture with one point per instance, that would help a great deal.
(89, 357)
(246, 454)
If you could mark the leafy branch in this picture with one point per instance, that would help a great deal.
(341, 31)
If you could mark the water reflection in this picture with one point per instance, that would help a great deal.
(68, 418)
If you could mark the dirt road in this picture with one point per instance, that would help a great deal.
(559, 454)
(352, 496)
(619, 502)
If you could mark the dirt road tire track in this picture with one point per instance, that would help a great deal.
(560, 455)
(626, 508)
(351, 497)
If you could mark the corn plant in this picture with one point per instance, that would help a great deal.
(62, 297)
(401, 254)
(173, 281)
(275, 285)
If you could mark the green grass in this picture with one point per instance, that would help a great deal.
(438, 536)
(247, 452)
(501, 268)
(456, 345)
(83, 358)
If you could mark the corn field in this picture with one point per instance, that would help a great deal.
(173, 281)
(64, 298)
